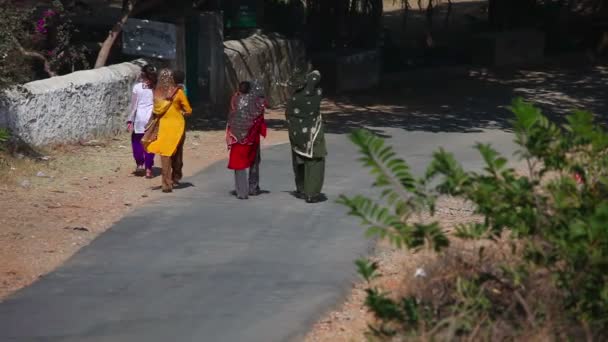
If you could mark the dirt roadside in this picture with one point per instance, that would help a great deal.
(401, 271)
(50, 209)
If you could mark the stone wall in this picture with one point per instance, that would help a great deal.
(94, 103)
(271, 59)
(81, 105)
(358, 71)
(348, 71)
(518, 47)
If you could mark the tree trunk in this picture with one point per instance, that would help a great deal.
(341, 12)
(129, 8)
(106, 46)
(448, 15)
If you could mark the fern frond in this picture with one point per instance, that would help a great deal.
(379, 220)
(471, 231)
(392, 173)
(5, 135)
(454, 177)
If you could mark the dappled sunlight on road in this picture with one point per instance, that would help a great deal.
(556, 90)
(435, 102)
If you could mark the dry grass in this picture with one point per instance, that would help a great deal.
(541, 320)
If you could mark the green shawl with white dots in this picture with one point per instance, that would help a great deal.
(303, 114)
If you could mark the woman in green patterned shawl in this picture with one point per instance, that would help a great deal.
(306, 134)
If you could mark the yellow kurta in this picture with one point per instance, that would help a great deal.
(171, 125)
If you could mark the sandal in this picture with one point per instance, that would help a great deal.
(139, 171)
(149, 174)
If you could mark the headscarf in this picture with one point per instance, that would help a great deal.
(297, 80)
(311, 88)
(246, 112)
(304, 115)
(165, 86)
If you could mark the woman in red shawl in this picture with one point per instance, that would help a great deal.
(245, 126)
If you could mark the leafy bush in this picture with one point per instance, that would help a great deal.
(36, 41)
(5, 136)
(55, 32)
(557, 224)
(13, 17)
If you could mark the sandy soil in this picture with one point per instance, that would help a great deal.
(398, 268)
(51, 209)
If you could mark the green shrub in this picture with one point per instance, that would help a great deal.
(5, 136)
(37, 41)
(561, 223)
(14, 19)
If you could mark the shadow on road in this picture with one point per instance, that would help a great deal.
(478, 100)
(470, 104)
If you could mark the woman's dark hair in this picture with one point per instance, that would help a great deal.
(149, 73)
(244, 87)
(179, 77)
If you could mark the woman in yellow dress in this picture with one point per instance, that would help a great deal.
(170, 106)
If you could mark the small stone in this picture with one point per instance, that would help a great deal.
(45, 158)
(25, 183)
(122, 146)
(20, 156)
(420, 273)
(41, 174)
(144, 195)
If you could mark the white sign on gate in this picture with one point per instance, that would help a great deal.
(149, 38)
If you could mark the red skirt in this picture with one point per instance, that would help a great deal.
(242, 156)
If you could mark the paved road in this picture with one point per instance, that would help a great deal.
(198, 265)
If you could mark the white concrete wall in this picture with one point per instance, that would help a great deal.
(94, 103)
(78, 106)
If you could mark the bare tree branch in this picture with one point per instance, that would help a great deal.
(129, 8)
(33, 54)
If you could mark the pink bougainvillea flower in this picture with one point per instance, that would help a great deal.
(41, 26)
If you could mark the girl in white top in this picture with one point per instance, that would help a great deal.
(141, 110)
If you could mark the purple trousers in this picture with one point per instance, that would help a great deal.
(142, 158)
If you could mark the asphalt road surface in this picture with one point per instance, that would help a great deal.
(199, 265)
